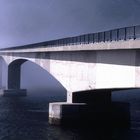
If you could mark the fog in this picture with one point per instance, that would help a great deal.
(25, 22)
(39, 82)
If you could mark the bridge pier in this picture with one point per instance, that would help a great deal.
(66, 113)
(85, 107)
(91, 108)
(14, 92)
(14, 75)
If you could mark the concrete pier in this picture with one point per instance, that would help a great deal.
(14, 92)
(91, 97)
(91, 108)
(66, 113)
(87, 107)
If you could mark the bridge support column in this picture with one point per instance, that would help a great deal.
(14, 71)
(3, 74)
(14, 92)
(86, 107)
(66, 113)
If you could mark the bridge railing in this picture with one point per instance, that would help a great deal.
(112, 35)
(125, 33)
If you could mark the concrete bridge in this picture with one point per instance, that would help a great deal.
(88, 66)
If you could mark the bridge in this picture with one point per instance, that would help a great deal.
(88, 66)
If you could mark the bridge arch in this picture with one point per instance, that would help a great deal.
(14, 73)
(14, 70)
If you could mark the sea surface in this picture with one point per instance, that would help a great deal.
(26, 118)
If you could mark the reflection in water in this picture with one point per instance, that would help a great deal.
(26, 118)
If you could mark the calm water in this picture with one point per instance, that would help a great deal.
(26, 118)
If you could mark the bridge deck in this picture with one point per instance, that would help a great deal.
(122, 38)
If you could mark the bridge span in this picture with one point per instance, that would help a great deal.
(88, 66)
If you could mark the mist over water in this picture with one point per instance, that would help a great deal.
(27, 118)
(133, 98)
(39, 82)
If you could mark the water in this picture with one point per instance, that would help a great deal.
(26, 118)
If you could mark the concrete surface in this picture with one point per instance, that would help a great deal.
(15, 93)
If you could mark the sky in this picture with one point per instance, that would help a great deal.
(32, 21)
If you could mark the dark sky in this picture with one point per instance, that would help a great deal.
(31, 21)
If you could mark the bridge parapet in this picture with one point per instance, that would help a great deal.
(69, 43)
